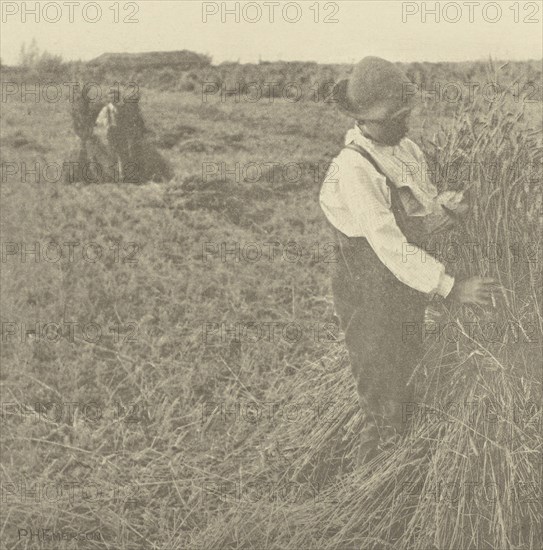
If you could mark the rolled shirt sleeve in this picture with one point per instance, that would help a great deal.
(366, 195)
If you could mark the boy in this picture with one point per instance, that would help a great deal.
(381, 209)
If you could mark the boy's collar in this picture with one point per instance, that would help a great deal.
(367, 139)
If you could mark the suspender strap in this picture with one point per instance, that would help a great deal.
(340, 236)
(399, 213)
(367, 156)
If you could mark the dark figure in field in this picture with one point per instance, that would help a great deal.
(125, 135)
(83, 159)
(383, 211)
(113, 144)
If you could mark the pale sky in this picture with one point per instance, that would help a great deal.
(396, 30)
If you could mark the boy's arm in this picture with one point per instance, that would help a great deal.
(366, 193)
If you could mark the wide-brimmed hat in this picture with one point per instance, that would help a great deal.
(375, 90)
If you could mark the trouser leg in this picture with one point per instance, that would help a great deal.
(382, 364)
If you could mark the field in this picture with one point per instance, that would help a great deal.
(197, 393)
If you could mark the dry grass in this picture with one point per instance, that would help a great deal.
(167, 479)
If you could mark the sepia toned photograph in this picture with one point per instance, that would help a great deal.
(271, 275)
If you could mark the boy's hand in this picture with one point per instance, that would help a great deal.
(462, 209)
(454, 203)
(475, 291)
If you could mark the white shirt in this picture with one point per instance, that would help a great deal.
(356, 200)
(104, 121)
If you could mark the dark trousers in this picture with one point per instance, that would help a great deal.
(378, 315)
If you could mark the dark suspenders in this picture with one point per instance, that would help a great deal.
(395, 206)
(367, 156)
(399, 214)
(371, 160)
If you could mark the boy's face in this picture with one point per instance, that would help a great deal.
(390, 131)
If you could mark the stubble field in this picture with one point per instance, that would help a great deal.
(187, 385)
